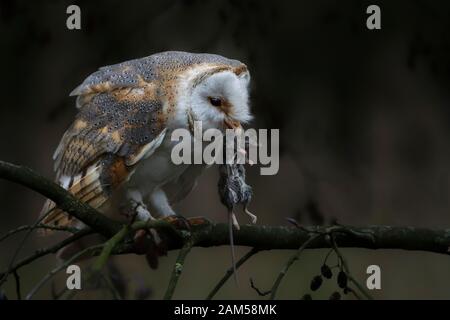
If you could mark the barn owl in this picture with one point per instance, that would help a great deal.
(118, 148)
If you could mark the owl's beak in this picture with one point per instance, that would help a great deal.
(232, 124)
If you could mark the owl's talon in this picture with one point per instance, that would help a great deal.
(149, 242)
(141, 241)
(139, 234)
(179, 222)
(156, 237)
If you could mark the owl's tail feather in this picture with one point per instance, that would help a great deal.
(87, 188)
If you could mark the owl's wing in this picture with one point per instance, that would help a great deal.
(108, 78)
(114, 130)
(128, 74)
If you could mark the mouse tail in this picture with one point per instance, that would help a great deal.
(233, 222)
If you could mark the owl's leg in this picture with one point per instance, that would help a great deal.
(159, 203)
(134, 206)
(146, 240)
(149, 241)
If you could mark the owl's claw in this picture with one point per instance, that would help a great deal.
(154, 244)
(156, 237)
(143, 236)
(149, 242)
(179, 222)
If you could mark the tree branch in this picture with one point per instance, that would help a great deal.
(260, 237)
(65, 200)
(230, 271)
(347, 270)
(211, 234)
(177, 269)
(280, 237)
(290, 262)
(18, 291)
(108, 249)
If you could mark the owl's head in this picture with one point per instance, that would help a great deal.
(218, 96)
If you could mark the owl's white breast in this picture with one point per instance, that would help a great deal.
(156, 170)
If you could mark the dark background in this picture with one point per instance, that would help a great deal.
(363, 118)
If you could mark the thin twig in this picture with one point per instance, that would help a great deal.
(327, 256)
(5, 275)
(39, 226)
(177, 269)
(291, 260)
(53, 272)
(357, 296)
(17, 279)
(57, 295)
(53, 249)
(258, 291)
(347, 270)
(102, 259)
(108, 248)
(229, 273)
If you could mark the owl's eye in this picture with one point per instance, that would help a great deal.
(216, 102)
